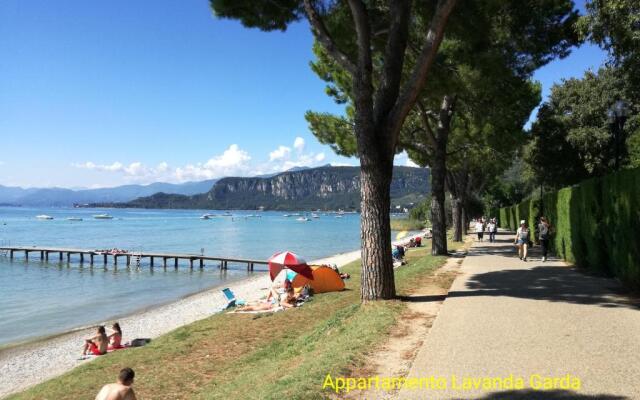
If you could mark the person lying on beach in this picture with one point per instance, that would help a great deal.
(288, 300)
(115, 338)
(96, 345)
(121, 390)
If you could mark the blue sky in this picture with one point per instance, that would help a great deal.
(114, 92)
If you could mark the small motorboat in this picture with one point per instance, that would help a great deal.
(303, 219)
(44, 216)
(103, 216)
(286, 215)
(207, 216)
(74, 219)
(315, 216)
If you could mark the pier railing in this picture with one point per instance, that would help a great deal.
(93, 256)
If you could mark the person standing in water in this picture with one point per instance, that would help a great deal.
(522, 240)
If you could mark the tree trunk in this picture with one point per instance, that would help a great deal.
(375, 231)
(456, 215)
(438, 217)
(464, 219)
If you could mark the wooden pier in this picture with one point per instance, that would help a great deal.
(44, 254)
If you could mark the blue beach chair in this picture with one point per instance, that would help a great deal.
(231, 298)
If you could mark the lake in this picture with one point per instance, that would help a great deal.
(39, 299)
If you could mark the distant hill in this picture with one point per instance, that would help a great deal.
(307, 189)
(59, 197)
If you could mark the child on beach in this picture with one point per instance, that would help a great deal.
(98, 344)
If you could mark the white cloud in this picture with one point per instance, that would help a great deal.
(279, 153)
(298, 144)
(319, 157)
(233, 161)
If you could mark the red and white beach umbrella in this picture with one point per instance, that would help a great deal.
(292, 261)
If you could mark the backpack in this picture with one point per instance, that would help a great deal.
(544, 231)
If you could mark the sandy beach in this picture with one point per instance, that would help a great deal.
(29, 364)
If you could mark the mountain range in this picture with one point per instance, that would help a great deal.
(60, 197)
(303, 189)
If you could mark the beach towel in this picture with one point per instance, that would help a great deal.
(279, 308)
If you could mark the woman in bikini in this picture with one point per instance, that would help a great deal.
(98, 344)
(115, 339)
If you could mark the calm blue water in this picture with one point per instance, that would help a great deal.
(38, 298)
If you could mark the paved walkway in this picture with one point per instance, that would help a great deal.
(504, 317)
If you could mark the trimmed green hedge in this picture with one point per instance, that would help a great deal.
(595, 223)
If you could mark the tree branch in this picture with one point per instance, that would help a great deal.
(418, 78)
(393, 58)
(363, 39)
(322, 35)
(431, 137)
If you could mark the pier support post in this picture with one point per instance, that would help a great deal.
(91, 258)
(104, 258)
(26, 255)
(128, 260)
(60, 256)
(46, 255)
(81, 258)
(68, 257)
(115, 260)
(164, 262)
(191, 263)
(41, 255)
(151, 261)
(11, 254)
(201, 263)
(175, 263)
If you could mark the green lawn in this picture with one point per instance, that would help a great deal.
(247, 356)
(406, 224)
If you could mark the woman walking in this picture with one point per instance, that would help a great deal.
(522, 240)
(544, 230)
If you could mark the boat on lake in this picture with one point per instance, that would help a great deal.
(303, 219)
(207, 216)
(315, 215)
(74, 219)
(103, 216)
(44, 216)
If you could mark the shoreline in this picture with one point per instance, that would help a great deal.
(27, 364)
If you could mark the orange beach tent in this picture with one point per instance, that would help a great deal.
(324, 280)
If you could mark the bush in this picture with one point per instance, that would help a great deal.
(594, 223)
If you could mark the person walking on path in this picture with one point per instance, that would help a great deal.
(544, 231)
(492, 228)
(480, 229)
(522, 240)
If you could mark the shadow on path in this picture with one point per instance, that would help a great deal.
(538, 281)
(546, 395)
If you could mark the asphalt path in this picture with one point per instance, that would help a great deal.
(511, 329)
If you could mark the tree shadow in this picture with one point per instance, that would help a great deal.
(531, 394)
(551, 284)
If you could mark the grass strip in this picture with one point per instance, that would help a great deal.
(247, 356)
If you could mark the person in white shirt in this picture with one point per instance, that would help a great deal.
(522, 240)
(480, 229)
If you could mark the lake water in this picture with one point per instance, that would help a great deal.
(39, 299)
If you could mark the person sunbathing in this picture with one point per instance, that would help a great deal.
(288, 300)
(115, 339)
(121, 390)
(96, 345)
